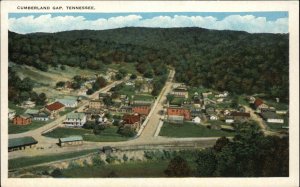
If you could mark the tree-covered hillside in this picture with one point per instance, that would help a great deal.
(225, 60)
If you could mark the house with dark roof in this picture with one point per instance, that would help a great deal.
(272, 117)
(240, 116)
(21, 143)
(132, 120)
(54, 109)
(41, 116)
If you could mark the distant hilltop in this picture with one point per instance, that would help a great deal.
(236, 61)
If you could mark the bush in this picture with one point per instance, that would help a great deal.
(88, 125)
(97, 161)
(56, 173)
(125, 157)
(111, 159)
(126, 131)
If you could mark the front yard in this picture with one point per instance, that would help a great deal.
(191, 130)
(15, 129)
(107, 135)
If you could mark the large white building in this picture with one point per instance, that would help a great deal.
(75, 120)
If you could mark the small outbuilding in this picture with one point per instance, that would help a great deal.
(71, 140)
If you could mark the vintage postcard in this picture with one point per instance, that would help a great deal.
(149, 93)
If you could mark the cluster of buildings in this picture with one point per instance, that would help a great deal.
(268, 113)
(50, 111)
(202, 107)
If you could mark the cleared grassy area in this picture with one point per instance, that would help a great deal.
(15, 129)
(107, 135)
(190, 130)
(129, 67)
(143, 97)
(18, 110)
(278, 106)
(177, 101)
(28, 161)
(242, 100)
(129, 169)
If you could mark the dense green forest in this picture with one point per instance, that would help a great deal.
(224, 60)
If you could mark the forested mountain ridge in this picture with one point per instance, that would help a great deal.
(225, 60)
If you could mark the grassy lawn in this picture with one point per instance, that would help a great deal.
(143, 97)
(67, 110)
(28, 161)
(15, 129)
(190, 130)
(126, 90)
(242, 100)
(177, 101)
(130, 67)
(129, 169)
(278, 106)
(107, 135)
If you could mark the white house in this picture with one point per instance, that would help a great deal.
(229, 120)
(11, 113)
(197, 120)
(75, 120)
(213, 117)
(69, 103)
(41, 116)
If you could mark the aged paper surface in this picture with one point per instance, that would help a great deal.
(292, 7)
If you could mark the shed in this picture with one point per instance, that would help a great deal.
(71, 140)
(107, 149)
(21, 143)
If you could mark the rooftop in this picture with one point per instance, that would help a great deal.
(31, 111)
(78, 115)
(55, 106)
(270, 115)
(71, 139)
(17, 142)
(67, 101)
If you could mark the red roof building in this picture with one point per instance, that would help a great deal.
(55, 106)
(258, 102)
(22, 120)
(131, 119)
(179, 112)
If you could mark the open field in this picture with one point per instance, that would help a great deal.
(15, 129)
(108, 135)
(129, 67)
(28, 161)
(190, 130)
(143, 97)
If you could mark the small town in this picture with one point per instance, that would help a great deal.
(137, 101)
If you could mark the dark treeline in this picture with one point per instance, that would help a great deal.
(250, 154)
(224, 60)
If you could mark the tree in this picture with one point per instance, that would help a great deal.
(133, 76)
(206, 163)
(107, 101)
(170, 98)
(62, 67)
(89, 91)
(220, 143)
(126, 131)
(56, 173)
(178, 167)
(60, 84)
(98, 129)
